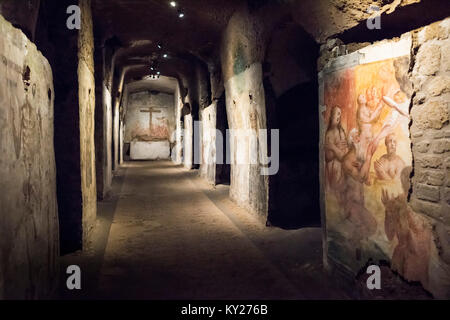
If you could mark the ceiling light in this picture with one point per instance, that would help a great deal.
(158, 73)
(159, 46)
(173, 4)
(165, 55)
(181, 15)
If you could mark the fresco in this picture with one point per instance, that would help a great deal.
(158, 127)
(366, 168)
(149, 117)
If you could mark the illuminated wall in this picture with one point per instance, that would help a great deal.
(383, 200)
(29, 241)
(150, 125)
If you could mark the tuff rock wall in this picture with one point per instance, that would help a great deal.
(29, 242)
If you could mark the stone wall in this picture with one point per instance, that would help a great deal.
(213, 152)
(401, 216)
(430, 135)
(121, 143)
(117, 92)
(177, 153)
(242, 56)
(430, 114)
(188, 89)
(73, 71)
(103, 118)
(107, 140)
(86, 98)
(29, 241)
(208, 149)
(100, 133)
(195, 97)
(188, 144)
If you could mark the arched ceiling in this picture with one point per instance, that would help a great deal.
(163, 84)
(156, 20)
(139, 26)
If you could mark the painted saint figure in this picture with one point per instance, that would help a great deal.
(353, 202)
(335, 149)
(390, 165)
(365, 119)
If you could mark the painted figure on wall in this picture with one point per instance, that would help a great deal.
(356, 171)
(400, 107)
(412, 233)
(366, 147)
(367, 161)
(367, 116)
(390, 165)
(336, 148)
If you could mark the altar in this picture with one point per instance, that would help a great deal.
(150, 150)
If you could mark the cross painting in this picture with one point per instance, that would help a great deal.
(157, 125)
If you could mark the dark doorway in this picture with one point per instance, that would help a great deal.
(296, 186)
(291, 97)
(223, 170)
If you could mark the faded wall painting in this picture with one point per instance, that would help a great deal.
(150, 117)
(366, 167)
(149, 125)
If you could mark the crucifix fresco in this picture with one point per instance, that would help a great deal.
(149, 117)
(150, 111)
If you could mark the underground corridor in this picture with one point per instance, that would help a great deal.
(224, 149)
(158, 247)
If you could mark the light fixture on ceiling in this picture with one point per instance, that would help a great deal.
(180, 14)
(159, 46)
(165, 55)
(158, 73)
(173, 4)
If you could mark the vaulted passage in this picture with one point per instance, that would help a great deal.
(172, 237)
(224, 149)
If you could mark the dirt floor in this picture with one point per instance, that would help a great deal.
(165, 234)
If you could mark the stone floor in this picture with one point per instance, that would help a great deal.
(165, 234)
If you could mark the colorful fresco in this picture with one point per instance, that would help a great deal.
(366, 170)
